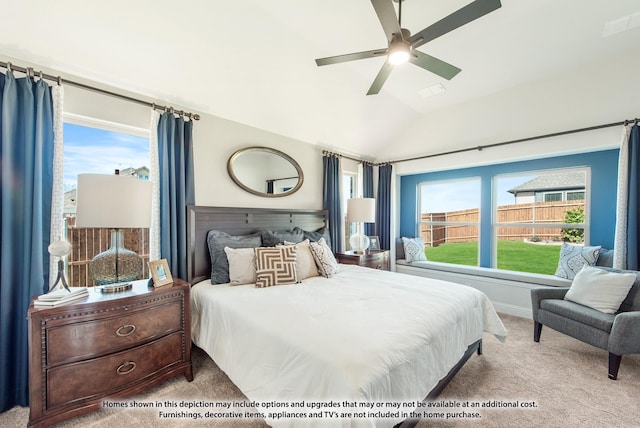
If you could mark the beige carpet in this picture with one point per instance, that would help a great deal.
(564, 378)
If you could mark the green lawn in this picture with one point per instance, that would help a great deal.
(512, 255)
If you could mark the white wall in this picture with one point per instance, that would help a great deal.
(594, 94)
(215, 140)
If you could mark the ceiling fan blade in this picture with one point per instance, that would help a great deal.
(387, 16)
(434, 65)
(462, 16)
(380, 79)
(350, 57)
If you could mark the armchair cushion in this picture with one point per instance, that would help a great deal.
(579, 313)
(599, 289)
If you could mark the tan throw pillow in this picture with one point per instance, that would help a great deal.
(242, 265)
(326, 262)
(276, 266)
(305, 263)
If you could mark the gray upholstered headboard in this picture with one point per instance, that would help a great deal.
(239, 221)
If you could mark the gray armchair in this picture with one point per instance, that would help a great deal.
(617, 333)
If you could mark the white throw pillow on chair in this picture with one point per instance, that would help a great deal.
(600, 289)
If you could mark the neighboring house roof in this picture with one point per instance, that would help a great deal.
(143, 170)
(560, 181)
(70, 197)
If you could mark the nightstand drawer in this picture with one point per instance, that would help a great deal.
(86, 379)
(79, 341)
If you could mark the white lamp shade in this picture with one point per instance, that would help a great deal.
(113, 201)
(361, 210)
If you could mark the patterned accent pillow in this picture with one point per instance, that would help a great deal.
(573, 257)
(276, 266)
(326, 262)
(414, 250)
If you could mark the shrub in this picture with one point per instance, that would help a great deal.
(575, 215)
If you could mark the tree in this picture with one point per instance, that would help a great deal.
(575, 215)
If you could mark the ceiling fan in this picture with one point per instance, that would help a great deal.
(402, 45)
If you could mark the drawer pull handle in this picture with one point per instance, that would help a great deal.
(126, 330)
(126, 368)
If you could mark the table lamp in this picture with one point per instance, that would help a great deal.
(60, 249)
(114, 202)
(360, 210)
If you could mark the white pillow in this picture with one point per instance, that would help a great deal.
(305, 262)
(326, 262)
(414, 250)
(573, 257)
(600, 289)
(242, 265)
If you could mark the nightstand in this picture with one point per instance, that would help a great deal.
(106, 346)
(376, 259)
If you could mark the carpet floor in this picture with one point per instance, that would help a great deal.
(557, 382)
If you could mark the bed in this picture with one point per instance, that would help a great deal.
(361, 336)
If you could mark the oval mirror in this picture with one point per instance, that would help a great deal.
(265, 172)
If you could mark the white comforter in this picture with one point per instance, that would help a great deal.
(363, 336)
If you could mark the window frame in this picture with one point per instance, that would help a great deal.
(354, 177)
(603, 164)
(103, 125)
(477, 225)
(495, 225)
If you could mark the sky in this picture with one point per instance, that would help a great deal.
(96, 151)
(465, 194)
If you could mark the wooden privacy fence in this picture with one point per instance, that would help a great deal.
(87, 242)
(537, 213)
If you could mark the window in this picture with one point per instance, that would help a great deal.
(588, 215)
(449, 220)
(528, 231)
(88, 149)
(349, 190)
(574, 196)
(552, 197)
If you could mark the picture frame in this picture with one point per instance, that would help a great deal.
(374, 243)
(160, 272)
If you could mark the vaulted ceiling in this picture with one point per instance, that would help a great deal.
(252, 61)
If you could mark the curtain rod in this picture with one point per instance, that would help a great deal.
(520, 140)
(504, 143)
(29, 71)
(328, 153)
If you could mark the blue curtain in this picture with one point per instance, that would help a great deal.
(383, 206)
(175, 156)
(331, 199)
(26, 167)
(367, 192)
(633, 205)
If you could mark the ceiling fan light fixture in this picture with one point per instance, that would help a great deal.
(399, 54)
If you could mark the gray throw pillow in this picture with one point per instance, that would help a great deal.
(605, 258)
(271, 238)
(217, 240)
(316, 235)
